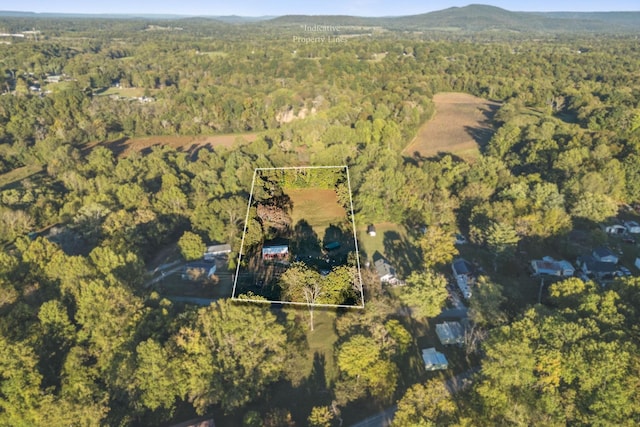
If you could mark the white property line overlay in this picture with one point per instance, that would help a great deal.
(244, 232)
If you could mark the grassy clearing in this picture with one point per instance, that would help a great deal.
(392, 241)
(125, 92)
(320, 208)
(460, 126)
(369, 245)
(122, 147)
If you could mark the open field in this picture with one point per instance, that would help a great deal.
(461, 125)
(320, 208)
(125, 92)
(122, 147)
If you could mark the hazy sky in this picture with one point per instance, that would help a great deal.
(313, 7)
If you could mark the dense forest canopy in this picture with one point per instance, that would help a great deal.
(87, 339)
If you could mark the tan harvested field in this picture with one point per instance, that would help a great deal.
(461, 125)
(122, 147)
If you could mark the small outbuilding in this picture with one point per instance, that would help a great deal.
(371, 230)
(434, 360)
(331, 246)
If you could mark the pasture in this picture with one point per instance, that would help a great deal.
(318, 207)
(461, 125)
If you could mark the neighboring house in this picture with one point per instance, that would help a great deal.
(371, 230)
(463, 272)
(275, 251)
(215, 251)
(434, 360)
(198, 270)
(550, 267)
(632, 227)
(386, 272)
(605, 255)
(598, 269)
(450, 333)
(615, 229)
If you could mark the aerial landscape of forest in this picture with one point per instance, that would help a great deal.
(320, 220)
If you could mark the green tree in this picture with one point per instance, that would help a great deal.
(365, 371)
(425, 293)
(156, 376)
(437, 247)
(595, 207)
(425, 405)
(231, 354)
(321, 416)
(191, 246)
(502, 240)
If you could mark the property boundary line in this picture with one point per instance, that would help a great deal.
(360, 285)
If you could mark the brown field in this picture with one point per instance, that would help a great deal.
(124, 146)
(320, 208)
(461, 125)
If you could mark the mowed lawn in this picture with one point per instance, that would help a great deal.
(320, 208)
(461, 125)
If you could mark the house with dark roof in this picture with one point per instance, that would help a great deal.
(386, 272)
(604, 254)
(464, 273)
(598, 269)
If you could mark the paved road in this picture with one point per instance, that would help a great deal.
(454, 385)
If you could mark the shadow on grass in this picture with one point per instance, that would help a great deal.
(399, 251)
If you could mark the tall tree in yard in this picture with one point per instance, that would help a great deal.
(191, 246)
(425, 405)
(437, 247)
(426, 293)
(502, 240)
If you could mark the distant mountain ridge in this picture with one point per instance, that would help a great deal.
(478, 17)
(471, 18)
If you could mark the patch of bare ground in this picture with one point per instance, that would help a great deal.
(461, 125)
